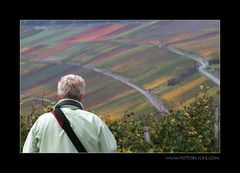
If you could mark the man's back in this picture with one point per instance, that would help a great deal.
(47, 136)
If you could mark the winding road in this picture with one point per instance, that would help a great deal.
(198, 59)
(154, 101)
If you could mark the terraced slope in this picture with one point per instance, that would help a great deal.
(127, 49)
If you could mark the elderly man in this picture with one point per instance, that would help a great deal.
(48, 136)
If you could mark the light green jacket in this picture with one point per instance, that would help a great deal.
(47, 136)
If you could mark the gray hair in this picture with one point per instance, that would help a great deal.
(71, 86)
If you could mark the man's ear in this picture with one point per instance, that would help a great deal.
(58, 97)
(82, 96)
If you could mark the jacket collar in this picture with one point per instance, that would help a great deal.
(71, 102)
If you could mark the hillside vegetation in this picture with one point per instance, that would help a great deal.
(191, 127)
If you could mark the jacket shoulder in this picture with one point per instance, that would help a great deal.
(44, 118)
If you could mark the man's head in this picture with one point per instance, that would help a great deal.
(71, 86)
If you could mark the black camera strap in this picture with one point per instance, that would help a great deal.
(64, 123)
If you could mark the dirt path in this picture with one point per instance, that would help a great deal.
(154, 101)
(198, 59)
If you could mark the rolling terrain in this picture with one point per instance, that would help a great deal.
(121, 62)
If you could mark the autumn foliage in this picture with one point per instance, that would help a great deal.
(190, 128)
